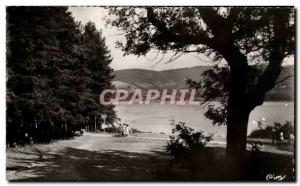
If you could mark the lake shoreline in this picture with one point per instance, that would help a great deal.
(157, 118)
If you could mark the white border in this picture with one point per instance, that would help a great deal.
(153, 2)
(5, 3)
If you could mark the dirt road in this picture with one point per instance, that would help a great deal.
(102, 157)
(91, 157)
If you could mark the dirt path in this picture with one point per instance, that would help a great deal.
(90, 157)
(101, 157)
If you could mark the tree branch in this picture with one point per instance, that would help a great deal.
(233, 15)
(160, 60)
(222, 31)
(183, 38)
(212, 19)
(283, 79)
(220, 27)
(268, 79)
(174, 57)
(221, 42)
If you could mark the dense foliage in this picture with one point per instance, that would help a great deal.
(252, 41)
(56, 69)
(185, 142)
(242, 38)
(287, 129)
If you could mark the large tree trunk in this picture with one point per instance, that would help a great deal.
(237, 123)
(238, 110)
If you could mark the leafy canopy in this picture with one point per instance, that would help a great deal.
(252, 42)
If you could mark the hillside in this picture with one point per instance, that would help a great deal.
(159, 79)
(175, 78)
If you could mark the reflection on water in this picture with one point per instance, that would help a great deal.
(156, 117)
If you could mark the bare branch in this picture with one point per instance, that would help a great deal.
(283, 79)
(158, 61)
(154, 57)
(198, 57)
(174, 57)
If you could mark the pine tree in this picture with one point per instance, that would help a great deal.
(98, 74)
(55, 71)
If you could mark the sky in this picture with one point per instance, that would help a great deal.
(98, 15)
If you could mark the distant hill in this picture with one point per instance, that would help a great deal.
(283, 91)
(159, 79)
(175, 78)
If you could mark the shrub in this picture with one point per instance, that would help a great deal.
(262, 133)
(186, 144)
(134, 130)
(287, 128)
(255, 146)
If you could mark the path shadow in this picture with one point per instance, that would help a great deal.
(85, 165)
(71, 164)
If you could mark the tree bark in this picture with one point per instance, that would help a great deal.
(237, 123)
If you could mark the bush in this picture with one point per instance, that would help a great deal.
(134, 130)
(287, 128)
(262, 133)
(185, 144)
(255, 146)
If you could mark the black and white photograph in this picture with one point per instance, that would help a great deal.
(150, 93)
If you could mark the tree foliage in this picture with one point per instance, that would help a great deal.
(56, 68)
(253, 41)
(185, 142)
(286, 128)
